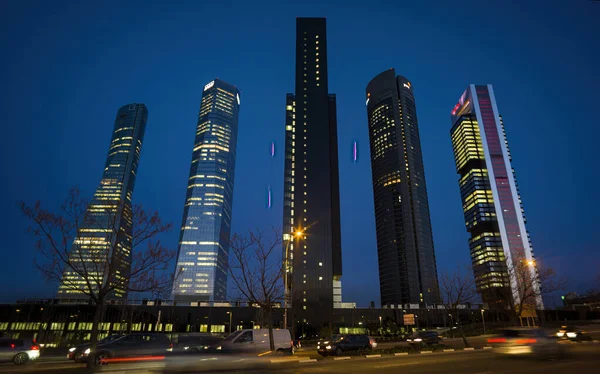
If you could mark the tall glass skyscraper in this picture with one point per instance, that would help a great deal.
(407, 267)
(491, 202)
(202, 258)
(311, 185)
(107, 226)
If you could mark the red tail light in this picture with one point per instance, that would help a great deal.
(35, 348)
(497, 340)
(291, 343)
(525, 341)
(12, 346)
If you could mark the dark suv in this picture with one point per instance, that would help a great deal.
(77, 354)
(345, 343)
(424, 338)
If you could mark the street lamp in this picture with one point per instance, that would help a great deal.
(230, 317)
(298, 234)
(451, 324)
(530, 262)
(483, 320)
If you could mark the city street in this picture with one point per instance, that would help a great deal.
(584, 358)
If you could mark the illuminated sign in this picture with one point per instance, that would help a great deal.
(238, 98)
(209, 85)
(460, 103)
(407, 85)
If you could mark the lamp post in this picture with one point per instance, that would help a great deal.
(230, 318)
(298, 234)
(483, 320)
(451, 324)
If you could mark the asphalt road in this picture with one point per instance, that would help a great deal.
(584, 358)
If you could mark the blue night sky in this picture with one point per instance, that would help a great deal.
(68, 66)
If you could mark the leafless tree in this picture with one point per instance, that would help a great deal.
(457, 289)
(104, 267)
(526, 294)
(256, 268)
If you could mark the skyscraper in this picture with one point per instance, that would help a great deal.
(202, 258)
(108, 222)
(494, 216)
(311, 186)
(407, 267)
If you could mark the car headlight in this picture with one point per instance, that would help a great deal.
(219, 348)
(418, 340)
(571, 334)
(327, 342)
(560, 334)
(328, 347)
(409, 340)
(72, 349)
(87, 351)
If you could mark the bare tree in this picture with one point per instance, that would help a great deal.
(530, 283)
(82, 247)
(256, 269)
(457, 289)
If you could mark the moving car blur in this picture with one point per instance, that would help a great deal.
(19, 351)
(132, 345)
(527, 341)
(422, 338)
(345, 343)
(76, 353)
(257, 340)
(573, 334)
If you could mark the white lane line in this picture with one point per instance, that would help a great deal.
(309, 360)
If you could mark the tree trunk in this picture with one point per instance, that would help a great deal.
(91, 364)
(460, 329)
(270, 325)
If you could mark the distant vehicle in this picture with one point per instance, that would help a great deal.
(19, 351)
(424, 338)
(257, 341)
(345, 343)
(573, 334)
(132, 345)
(527, 341)
(76, 353)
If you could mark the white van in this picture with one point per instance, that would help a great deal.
(257, 341)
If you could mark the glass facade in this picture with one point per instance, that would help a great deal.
(202, 259)
(491, 202)
(311, 185)
(407, 265)
(107, 226)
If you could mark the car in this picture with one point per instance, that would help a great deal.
(132, 345)
(19, 351)
(196, 342)
(345, 343)
(573, 334)
(421, 338)
(527, 341)
(76, 353)
(257, 341)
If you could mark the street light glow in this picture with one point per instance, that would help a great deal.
(299, 233)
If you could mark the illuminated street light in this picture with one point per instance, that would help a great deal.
(298, 234)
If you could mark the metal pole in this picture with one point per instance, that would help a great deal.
(285, 285)
(483, 320)
(230, 318)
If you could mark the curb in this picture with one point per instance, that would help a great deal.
(373, 356)
(448, 350)
(401, 354)
(425, 352)
(342, 358)
(309, 360)
(487, 347)
(468, 349)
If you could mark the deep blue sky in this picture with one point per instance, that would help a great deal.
(68, 66)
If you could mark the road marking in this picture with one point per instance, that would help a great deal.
(401, 354)
(309, 360)
(264, 353)
(448, 350)
(425, 352)
(342, 358)
(373, 356)
(468, 349)
(487, 347)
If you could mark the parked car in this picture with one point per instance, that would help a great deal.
(573, 334)
(421, 338)
(527, 341)
(257, 341)
(76, 353)
(19, 351)
(345, 343)
(132, 345)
